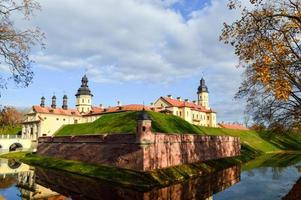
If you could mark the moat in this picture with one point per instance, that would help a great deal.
(275, 177)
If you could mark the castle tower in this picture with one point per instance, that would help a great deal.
(203, 97)
(42, 101)
(144, 125)
(65, 102)
(84, 97)
(53, 102)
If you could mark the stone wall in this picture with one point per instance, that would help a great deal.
(131, 152)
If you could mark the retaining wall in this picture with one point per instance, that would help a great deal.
(125, 151)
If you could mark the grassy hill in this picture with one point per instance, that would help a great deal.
(125, 122)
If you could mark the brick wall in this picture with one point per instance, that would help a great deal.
(128, 151)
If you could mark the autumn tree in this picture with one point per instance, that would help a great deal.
(266, 39)
(15, 44)
(9, 116)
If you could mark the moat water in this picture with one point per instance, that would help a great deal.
(270, 177)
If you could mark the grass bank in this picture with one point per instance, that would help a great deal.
(253, 143)
(127, 178)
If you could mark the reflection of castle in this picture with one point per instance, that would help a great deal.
(23, 176)
(45, 121)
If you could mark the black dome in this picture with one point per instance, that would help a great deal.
(202, 87)
(84, 88)
(143, 116)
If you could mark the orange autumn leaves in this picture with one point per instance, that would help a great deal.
(267, 41)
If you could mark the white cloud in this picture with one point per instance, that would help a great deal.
(140, 40)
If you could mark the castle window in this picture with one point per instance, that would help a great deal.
(207, 117)
(88, 100)
(180, 113)
(143, 128)
(75, 121)
(82, 100)
(57, 118)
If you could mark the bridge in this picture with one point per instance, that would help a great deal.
(14, 143)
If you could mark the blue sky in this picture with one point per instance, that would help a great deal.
(133, 51)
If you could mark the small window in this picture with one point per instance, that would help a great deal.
(64, 119)
(57, 119)
(207, 117)
(75, 121)
(143, 128)
(45, 117)
(82, 100)
(88, 100)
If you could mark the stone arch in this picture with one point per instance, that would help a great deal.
(15, 146)
(13, 164)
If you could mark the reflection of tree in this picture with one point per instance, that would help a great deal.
(277, 172)
(7, 182)
(250, 173)
(263, 170)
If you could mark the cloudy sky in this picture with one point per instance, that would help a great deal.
(133, 51)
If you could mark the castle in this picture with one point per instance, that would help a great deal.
(45, 121)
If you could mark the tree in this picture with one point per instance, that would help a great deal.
(11, 117)
(266, 40)
(15, 44)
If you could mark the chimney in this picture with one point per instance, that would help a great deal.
(179, 98)
(118, 103)
(65, 103)
(186, 100)
(169, 96)
(101, 106)
(42, 102)
(194, 101)
(53, 103)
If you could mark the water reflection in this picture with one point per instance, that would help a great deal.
(42, 183)
(83, 188)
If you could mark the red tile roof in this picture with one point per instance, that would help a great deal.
(130, 107)
(57, 111)
(233, 126)
(193, 106)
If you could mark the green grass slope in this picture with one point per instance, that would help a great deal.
(125, 122)
(253, 143)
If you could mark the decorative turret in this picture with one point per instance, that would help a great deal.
(203, 97)
(84, 97)
(144, 134)
(53, 103)
(65, 102)
(42, 101)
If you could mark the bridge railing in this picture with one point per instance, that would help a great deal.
(11, 137)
